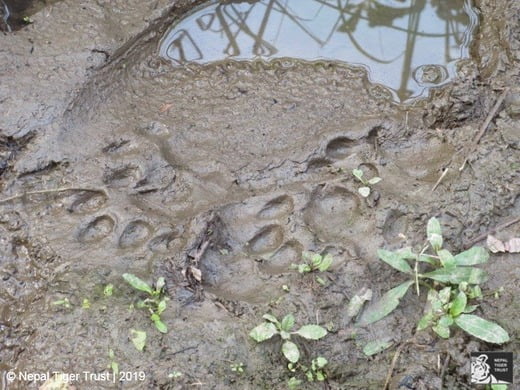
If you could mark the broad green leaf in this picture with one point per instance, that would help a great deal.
(444, 295)
(285, 335)
(434, 300)
(161, 306)
(442, 331)
(311, 332)
(359, 174)
(325, 264)
(108, 290)
(319, 362)
(376, 346)
(388, 302)
(428, 259)
(304, 268)
(291, 351)
(433, 227)
(406, 253)
(457, 275)
(374, 180)
(458, 305)
(475, 292)
(316, 260)
(447, 259)
(498, 387)
(394, 260)
(287, 322)
(293, 383)
(425, 321)
(320, 376)
(470, 308)
(364, 191)
(435, 241)
(434, 233)
(159, 285)
(482, 329)
(446, 321)
(138, 339)
(263, 332)
(271, 318)
(161, 326)
(137, 283)
(473, 256)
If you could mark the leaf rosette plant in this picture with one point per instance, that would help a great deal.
(452, 283)
(155, 302)
(272, 327)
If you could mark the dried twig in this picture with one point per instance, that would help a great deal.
(443, 371)
(394, 362)
(444, 173)
(484, 126)
(492, 231)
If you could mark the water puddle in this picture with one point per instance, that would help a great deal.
(408, 46)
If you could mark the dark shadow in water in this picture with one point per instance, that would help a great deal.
(406, 45)
(15, 14)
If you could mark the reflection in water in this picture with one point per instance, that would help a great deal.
(407, 45)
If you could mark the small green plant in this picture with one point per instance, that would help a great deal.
(108, 290)
(452, 281)
(237, 367)
(314, 262)
(272, 327)
(112, 364)
(62, 302)
(316, 371)
(175, 375)
(155, 302)
(86, 303)
(366, 189)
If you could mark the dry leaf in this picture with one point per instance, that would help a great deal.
(494, 244)
(197, 273)
(513, 245)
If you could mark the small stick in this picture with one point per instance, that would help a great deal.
(64, 189)
(444, 173)
(491, 231)
(394, 362)
(485, 125)
(443, 371)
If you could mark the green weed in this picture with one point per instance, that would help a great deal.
(155, 302)
(452, 282)
(366, 189)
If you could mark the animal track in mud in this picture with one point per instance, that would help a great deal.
(97, 229)
(162, 242)
(277, 208)
(87, 202)
(339, 148)
(396, 223)
(331, 210)
(289, 253)
(135, 234)
(124, 176)
(266, 240)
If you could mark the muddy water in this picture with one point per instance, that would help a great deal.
(234, 169)
(408, 46)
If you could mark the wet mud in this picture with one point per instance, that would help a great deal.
(218, 177)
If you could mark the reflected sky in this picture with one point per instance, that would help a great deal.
(407, 45)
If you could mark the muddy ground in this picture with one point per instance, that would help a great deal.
(112, 161)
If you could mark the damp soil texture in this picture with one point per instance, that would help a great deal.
(212, 144)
